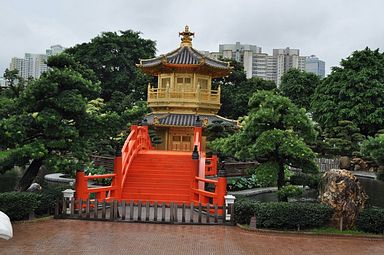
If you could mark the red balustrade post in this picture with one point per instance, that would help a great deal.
(81, 186)
(117, 181)
(195, 172)
(197, 136)
(214, 161)
(221, 188)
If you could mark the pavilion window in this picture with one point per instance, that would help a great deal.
(203, 83)
(165, 82)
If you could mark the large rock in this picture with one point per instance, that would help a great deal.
(341, 190)
(345, 163)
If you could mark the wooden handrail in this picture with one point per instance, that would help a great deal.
(206, 180)
(99, 176)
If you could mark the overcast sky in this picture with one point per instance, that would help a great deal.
(330, 29)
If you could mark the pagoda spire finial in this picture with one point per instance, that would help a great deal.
(186, 39)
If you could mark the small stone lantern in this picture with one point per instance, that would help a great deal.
(68, 195)
(229, 200)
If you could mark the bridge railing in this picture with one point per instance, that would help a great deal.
(137, 140)
(206, 190)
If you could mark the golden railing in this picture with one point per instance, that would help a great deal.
(205, 96)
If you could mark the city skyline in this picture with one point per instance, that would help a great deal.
(330, 29)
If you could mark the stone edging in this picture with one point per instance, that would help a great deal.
(35, 220)
(269, 231)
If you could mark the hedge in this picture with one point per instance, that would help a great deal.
(282, 215)
(371, 220)
(18, 205)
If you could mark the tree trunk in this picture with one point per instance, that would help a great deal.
(29, 175)
(280, 174)
(281, 180)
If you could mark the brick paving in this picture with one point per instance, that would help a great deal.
(96, 237)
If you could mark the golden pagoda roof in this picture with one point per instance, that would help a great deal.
(185, 57)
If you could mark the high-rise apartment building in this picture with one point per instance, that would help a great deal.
(33, 65)
(259, 64)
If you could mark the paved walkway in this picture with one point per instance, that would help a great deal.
(90, 237)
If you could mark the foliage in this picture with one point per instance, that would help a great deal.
(275, 131)
(91, 169)
(373, 148)
(112, 56)
(18, 205)
(299, 86)
(282, 215)
(16, 84)
(243, 183)
(48, 197)
(371, 220)
(354, 92)
(54, 124)
(343, 139)
(8, 181)
(310, 180)
(237, 89)
(155, 139)
(219, 129)
(289, 191)
(266, 174)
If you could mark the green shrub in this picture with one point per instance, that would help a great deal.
(242, 183)
(289, 191)
(266, 174)
(282, 215)
(310, 180)
(18, 205)
(48, 197)
(8, 181)
(371, 220)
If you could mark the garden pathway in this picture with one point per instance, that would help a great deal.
(89, 237)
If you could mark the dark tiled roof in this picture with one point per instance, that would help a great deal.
(184, 120)
(184, 56)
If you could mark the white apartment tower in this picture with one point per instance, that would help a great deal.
(259, 64)
(243, 53)
(33, 65)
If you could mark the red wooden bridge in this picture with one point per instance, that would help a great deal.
(144, 174)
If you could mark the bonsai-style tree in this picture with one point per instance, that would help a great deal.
(275, 131)
(54, 123)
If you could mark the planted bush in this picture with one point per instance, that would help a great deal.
(48, 197)
(282, 215)
(371, 220)
(18, 205)
(8, 181)
(310, 180)
(289, 191)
